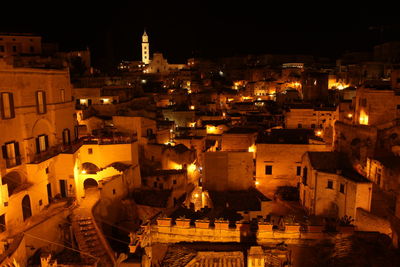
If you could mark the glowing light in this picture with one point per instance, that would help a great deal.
(106, 100)
(230, 99)
(252, 148)
(363, 118)
(192, 107)
(83, 171)
(349, 115)
(196, 195)
(259, 99)
(144, 81)
(192, 124)
(212, 129)
(318, 133)
(176, 166)
(257, 182)
(191, 167)
(83, 101)
(223, 114)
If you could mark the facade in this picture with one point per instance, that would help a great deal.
(310, 118)
(224, 171)
(15, 44)
(330, 187)
(278, 157)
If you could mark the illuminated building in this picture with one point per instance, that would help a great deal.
(145, 48)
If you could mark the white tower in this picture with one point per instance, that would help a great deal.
(145, 49)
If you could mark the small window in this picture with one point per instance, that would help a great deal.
(174, 181)
(299, 126)
(298, 170)
(47, 170)
(11, 154)
(66, 135)
(1, 48)
(42, 143)
(7, 105)
(41, 102)
(40, 202)
(341, 188)
(90, 151)
(330, 184)
(114, 191)
(268, 169)
(62, 95)
(14, 49)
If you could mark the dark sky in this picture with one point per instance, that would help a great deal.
(180, 30)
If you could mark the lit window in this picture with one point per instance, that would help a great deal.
(41, 102)
(11, 154)
(7, 106)
(42, 143)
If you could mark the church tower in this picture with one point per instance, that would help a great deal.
(145, 49)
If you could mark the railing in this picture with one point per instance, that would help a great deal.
(12, 162)
(73, 147)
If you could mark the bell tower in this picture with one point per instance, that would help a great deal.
(145, 48)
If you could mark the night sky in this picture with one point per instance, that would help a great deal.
(181, 30)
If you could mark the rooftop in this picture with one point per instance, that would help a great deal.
(332, 162)
(286, 136)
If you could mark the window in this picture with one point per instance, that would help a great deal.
(42, 143)
(1, 48)
(62, 95)
(31, 49)
(341, 188)
(305, 173)
(298, 170)
(7, 105)
(11, 154)
(14, 49)
(47, 170)
(114, 191)
(2, 223)
(268, 169)
(41, 102)
(174, 181)
(66, 137)
(90, 151)
(40, 202)
(330, 184)
(299, 126)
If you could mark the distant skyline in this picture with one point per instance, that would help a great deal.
(113, 30)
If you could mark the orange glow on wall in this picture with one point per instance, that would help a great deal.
(212, 129)
(363, 118)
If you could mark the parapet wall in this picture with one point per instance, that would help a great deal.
(222, 231)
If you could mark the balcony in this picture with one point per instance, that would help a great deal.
(74, 146)
(12, 162)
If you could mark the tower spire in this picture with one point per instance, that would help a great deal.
(145, 48)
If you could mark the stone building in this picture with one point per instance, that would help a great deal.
(224, 171)
(12, 44)
(44, 162)
(278, 156)
(330, 187)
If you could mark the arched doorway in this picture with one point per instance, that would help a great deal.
(26, 207)
(90, 183)
(89, 168)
